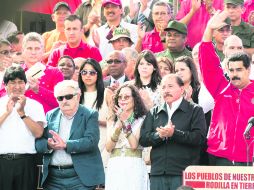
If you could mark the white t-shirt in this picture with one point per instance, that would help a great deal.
(15, 136)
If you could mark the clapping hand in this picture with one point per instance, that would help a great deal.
(56, 142)
(166, 131)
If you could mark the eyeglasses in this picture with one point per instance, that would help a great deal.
(67, 97)
(116, 61)
(5, 52)
(85, 72)
(124, 97)
(160, 13)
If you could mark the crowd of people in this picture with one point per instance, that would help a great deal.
(114, 100)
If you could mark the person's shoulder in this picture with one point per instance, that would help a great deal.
(46, 34)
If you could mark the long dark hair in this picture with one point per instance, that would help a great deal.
(195, 84)
(99, 83)
(156, 77)
(139, 106)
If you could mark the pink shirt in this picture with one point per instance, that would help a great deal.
(46, 88)
(197, 24)
(152, 41)
(249, 7)
(83, 50)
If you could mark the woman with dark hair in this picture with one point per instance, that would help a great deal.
(92, 95)
(186, 70)
(147, 78)
(126, 169)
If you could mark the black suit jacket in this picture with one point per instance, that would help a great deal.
(171, 156)
(107, 81)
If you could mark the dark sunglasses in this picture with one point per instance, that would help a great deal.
(85, 72)
(116, 61)
(5, 52)
(67, 97)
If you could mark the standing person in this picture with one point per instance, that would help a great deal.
(92, 96)
(244, 30)
(147, 78)
(186, 70)
(233, 100)
(154, 40)
(74, 47)
(56, 37)
(175, 130)
(21, 122)
(126, 168)
(40, 89)
(176, 36)
(72, 158)
(113, 11)
(195, 14)
(67, 66)
(166, 66)
(141, 13)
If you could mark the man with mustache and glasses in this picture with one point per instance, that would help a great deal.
(234, 101)
(175, 130)
(113, 11)
(21, 122)
(72, 159)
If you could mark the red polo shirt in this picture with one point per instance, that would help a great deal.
(83, 50)
(152, 41)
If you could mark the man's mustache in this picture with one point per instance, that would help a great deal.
(236, 78)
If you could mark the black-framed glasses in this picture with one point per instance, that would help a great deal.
(116, 61)
(5, 52)
(87, 72)
(67, 97)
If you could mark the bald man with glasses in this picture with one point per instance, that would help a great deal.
(70, 143)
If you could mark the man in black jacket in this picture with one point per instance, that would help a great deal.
(175, 130)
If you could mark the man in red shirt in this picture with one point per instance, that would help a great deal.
(161, 14)
(75, 47)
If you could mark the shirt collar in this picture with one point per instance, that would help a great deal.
(120, 80)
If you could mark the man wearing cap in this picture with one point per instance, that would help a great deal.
(113, 11)
(161, 13)
(75, 47)
(55, 38)
(243, 30)
(219, 36)
(176, 35)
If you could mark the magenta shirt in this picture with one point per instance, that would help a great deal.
(83, 50)
(46, 88)
(152, 41)
(197, 24)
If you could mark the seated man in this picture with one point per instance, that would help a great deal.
(72, 158)
(21, 121)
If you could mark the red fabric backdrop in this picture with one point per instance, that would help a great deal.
(46, 6)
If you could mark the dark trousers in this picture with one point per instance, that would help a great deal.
(218, 161)
(64, 179)
(18, 174)
(165, 182)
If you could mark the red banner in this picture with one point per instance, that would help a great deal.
(46, 6)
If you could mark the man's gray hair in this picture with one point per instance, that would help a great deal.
(66, 83)
(32, 36)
